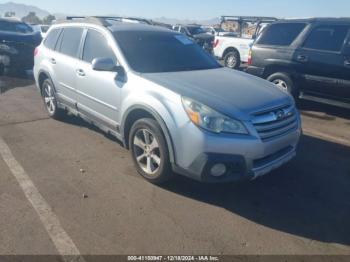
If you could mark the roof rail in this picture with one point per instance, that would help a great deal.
(103, 20)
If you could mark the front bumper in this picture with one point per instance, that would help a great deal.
(245, 157)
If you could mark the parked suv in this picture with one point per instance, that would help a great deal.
(167, 100)
(17, 43)
(309, 58)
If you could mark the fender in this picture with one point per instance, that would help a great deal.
(158, 118)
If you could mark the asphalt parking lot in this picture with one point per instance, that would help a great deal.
(89, 184)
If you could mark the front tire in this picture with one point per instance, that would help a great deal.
(232, 59)
(149, 151)
(50, 101)
(284, 82)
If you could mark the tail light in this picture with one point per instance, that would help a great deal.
(215, 43)
(36, 51)
(250, 57)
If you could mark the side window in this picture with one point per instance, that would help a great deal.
(281, 34)
(71, 41)
(327, 38)
(51, 39)
(96, 46)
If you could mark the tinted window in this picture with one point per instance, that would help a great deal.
(52, 38)
(96, 46)
(151, 52)
(281, 34)
(71, 41)
(327, 38)
(15, 27)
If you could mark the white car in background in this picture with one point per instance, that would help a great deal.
(234, 50)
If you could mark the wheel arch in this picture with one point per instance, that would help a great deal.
(137, 112)
(42, 76)
(230, 49)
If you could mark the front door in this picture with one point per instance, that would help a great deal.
(98, 92)
(320, 60)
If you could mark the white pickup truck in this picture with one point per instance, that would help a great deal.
(234, 50)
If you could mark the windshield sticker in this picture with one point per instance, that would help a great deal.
(184, 40)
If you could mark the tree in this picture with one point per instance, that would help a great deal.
(49, 19)
(10, 14)
(31, 18)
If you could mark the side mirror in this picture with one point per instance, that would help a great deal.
(104, 64)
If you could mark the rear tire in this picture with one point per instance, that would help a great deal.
(50, 101)
(232, 59)
(284, 82)
(149, 151)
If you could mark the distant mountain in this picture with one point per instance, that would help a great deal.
(21, 10)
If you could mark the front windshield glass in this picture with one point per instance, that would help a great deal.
(16, 27)
(155, 52)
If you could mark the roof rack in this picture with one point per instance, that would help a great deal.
(104, 20)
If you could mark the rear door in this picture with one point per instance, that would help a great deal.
(321, 62)
(98, 91)
(64, 62)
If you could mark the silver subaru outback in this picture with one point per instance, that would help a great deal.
(170, 103)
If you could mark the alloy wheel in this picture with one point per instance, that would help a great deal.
(147, 152)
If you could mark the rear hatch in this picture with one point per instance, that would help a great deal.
(24, 44)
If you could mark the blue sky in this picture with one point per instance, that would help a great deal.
(195, 9)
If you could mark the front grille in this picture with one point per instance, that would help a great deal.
(275, 123)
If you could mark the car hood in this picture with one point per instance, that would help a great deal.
(233, 93)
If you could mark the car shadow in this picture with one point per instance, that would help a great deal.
(309, 197)
(329, 112)
(14, 81)
(79, 122)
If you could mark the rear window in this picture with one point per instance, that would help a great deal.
(15, 27)
(51, 39)
(282, 34)
(71, 41)
(327, 38)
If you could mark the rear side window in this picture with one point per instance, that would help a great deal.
(327, 38)
(96, 46)
(51, 39)
(282, 34)
(71, 41)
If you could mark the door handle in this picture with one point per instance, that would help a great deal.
(347, 63)
(302, 58)
(80, 72)
(53, 61)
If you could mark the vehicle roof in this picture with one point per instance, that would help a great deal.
(112, 24)
(124, 26)
(318, 20)
(13, 20)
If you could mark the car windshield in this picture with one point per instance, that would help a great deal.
(156, 52)
(17, 27)
(195, 30)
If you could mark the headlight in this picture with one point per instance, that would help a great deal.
(208, 119)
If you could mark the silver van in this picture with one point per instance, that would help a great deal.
(172, 105)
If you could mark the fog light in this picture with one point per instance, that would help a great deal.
(218, 170)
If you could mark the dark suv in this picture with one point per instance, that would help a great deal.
(309, 58)
(17, 43)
